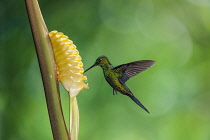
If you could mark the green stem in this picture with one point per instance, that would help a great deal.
(47, 67)
(74, 118)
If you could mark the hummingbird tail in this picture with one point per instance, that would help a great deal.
(138, 102)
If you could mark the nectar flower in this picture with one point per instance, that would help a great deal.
(69, 65)
(70, 74)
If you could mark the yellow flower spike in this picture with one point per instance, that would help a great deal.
(84, 78)
(65, 56)
(52, 33)
(70, 73)
(69, 42)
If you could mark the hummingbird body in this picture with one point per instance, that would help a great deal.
(112, 78)
(117, 76)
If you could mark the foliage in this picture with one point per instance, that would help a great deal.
(175, 90)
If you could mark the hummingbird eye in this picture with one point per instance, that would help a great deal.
(99, 60)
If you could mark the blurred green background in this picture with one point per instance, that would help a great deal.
(176, 90)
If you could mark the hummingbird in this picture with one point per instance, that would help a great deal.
(117, 76)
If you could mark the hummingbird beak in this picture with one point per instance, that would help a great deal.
(91, 67)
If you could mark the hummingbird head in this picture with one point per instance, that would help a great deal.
(100, 61)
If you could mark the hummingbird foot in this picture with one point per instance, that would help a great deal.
(114, 92)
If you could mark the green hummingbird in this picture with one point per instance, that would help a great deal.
(117, 76)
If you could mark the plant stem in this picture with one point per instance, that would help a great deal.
(74, 118)
(47, 67)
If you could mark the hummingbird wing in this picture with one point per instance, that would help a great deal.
(131, 69)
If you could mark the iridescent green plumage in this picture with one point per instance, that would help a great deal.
(117, 76)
